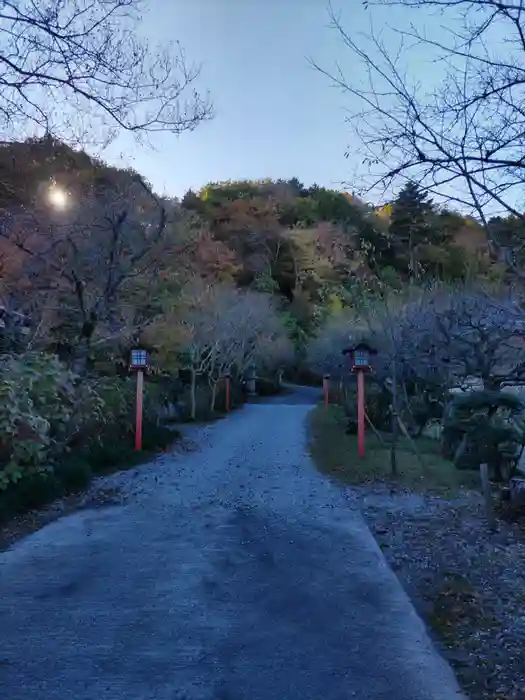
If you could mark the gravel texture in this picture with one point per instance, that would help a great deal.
(468, 583)
(232, 572)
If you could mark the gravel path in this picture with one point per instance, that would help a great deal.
(235, 572)
(471, 588)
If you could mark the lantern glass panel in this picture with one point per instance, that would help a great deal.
(139, 358)
(361, 358)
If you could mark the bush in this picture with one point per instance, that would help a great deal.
(267, 387)
(29, 493)
(377, 404)
(303, 375)
(58, 429)
(76, 471)
(41, 408)
(74, 475)
(158, 437)
(106, 451)
(484, 426)
(115, 447)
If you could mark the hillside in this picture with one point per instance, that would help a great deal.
(307, 245)
(304, 247)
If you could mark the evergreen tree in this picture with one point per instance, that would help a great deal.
(411, 227)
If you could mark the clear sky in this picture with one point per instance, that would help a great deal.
(275, 115)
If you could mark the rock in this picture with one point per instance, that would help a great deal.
(458, 657)
(432, 429)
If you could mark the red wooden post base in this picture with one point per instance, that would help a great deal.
(361, 412)
(138, 420)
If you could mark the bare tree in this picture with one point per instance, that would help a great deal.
(262, 339)
(83, 264)
(250, 333)
(223, 335)
(442, 337)
(200, 322)
(453, 336)
(324, 352)
(221, 329)
(463, 139)
(70, 67)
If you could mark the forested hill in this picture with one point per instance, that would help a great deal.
(307, 244)
(302, 246)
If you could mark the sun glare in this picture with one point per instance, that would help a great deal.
(58, 198)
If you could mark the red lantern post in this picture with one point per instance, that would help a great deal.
(360, 359)
(139, 362)
(326, 390)
(361, 412)
(139, 410)
(227, 379)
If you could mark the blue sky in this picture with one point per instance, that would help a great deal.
(275, 115)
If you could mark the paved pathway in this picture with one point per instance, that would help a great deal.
(233, 573)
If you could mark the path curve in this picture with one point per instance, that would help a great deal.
(233, 573)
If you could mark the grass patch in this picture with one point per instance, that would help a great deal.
(335, 454)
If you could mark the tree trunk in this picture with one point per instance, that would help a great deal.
(213, 397)
(193, 398)
(81, 356)
(393, 420)
(487, 497)
(251, 386)
(460, 450)
(393, 443)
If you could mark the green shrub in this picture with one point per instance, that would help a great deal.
(38, 490)
(41, 409)
(484, 426)
(118, 396)
(29, 493)
(158, 437)
(74, 475)
(377, 404)
(267, 387)
(57, 430)
(116, 448)
(304, 375)
(107, 452)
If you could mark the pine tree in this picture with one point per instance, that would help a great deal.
(410, 227)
